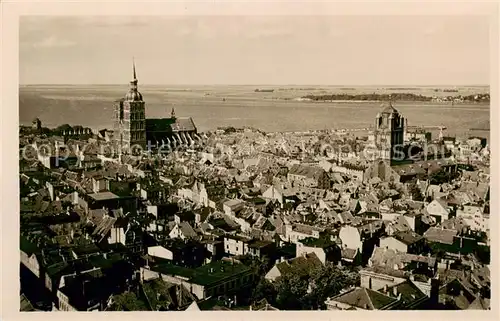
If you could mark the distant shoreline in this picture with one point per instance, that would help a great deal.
(408, 97)
(397, 102)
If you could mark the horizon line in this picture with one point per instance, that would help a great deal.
(270, 85)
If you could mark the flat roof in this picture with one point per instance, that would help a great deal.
(204, 275)
(103, 196)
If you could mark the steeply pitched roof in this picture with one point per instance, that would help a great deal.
(308, 171)
(439, 235)
(389, 258)
(300, 266)
(179, 124)
(365, 299)
(407, 237)
(408, 290)
(104, 226)
(187, 229)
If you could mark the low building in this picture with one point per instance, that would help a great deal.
(210, 280)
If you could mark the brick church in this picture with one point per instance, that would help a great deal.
(132, 128)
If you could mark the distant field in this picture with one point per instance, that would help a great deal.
(269, 111)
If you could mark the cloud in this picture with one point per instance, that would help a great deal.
(53, 42)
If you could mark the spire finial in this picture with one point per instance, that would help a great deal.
(133, 64)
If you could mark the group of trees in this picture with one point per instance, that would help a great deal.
(370, 97)
(441, 177)
(305, 293)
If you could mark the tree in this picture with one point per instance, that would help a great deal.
(441, 177)
(127, 301)
(310, 293)
(264, 290)
(329, 280)
(291, 292)
(415, 192)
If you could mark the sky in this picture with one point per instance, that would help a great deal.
(239, 50)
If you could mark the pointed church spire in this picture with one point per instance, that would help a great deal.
(172, 114)
(133, 64)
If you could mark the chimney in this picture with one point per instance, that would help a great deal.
(385, 288)
(395, 291)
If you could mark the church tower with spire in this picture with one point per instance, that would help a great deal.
(130, 118)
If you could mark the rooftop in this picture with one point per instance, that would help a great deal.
(365, 299)
(207, 274)
(103, 196)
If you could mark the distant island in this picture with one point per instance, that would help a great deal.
(264, 90)
(475, 98)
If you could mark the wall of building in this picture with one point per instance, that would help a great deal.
(31, 262)
(161, 252)
(376, 281)
(393, 244)
(273, 274)
(351, 238)
(64, 302)
(235, 247)
(117, 236)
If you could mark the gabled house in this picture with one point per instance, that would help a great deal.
(183, 231)
(405, 241)
(438, 209)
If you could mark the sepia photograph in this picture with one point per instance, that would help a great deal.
(254, 162)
